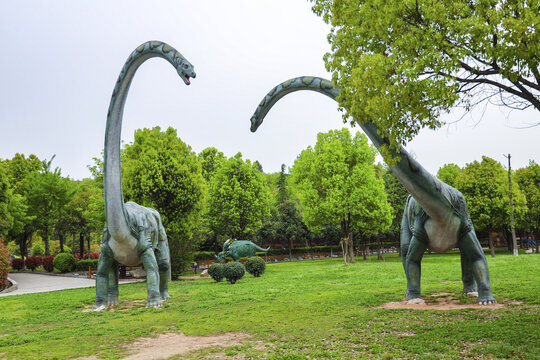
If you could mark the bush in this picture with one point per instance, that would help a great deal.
(33, 262)
(4, 264)
(47, 263)
(83, 265)
(255, 266)
(216, 271)
(17, 264)
(233, 271)
(64, 262)
(54, 247)
(38, 249)
(204, 255)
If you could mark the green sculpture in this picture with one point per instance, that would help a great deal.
(133, 234)
(237, 249)
(435, 216)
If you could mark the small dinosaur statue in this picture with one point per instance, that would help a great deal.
(133, 234)
(435, 216)
(237, 249)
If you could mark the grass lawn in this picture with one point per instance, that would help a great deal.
(315, 309)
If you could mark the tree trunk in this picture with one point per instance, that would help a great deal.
(88, 243)
(81, 245)
(61, 237)
(535, 238)
(344, 250)
(352, 258)
(490, 241)
(379, 249)
(74, 236)
(46, 241)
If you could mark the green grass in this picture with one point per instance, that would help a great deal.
(316, 309)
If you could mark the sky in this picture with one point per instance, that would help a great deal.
(60, 60)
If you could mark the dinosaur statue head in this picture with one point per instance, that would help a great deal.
(185, 70)
(256, 120)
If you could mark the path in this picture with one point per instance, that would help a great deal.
(28, 283)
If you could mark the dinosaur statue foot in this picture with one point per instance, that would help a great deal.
(99, 307)
(165, 295)
(471, 293)
(112, 300)
(487, 301)
(416, 301)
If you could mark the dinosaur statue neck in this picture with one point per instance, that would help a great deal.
(116, 217)
(424, 187)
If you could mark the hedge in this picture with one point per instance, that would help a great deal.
(204, 255)
(83, 265)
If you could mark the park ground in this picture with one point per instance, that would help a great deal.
(317, 309)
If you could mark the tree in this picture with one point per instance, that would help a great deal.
(485, 186)
(400, 64)
(448, 173)
(6, 219)
(397, 197)
(528, 179)
(162, 172)
(210, 159)
(337, 185)
(20, 170)
(283, 193)
(238, 199)
(48, 193)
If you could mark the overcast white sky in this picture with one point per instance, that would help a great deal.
(59, 62)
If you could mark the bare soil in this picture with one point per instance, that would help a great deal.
(441, 301)
(167, 345)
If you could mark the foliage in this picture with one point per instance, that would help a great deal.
(4, 264)
(485, 186)
(238, 199)
(401, 64)
(233, 271)
(48, 263)
(65, 262)
(302, 304)
(162, 172)
(204, 255)
(47, 196)
(83, 265)
(6, 219)
(528, 179)
(33, 262)
(38, 249)
(17, 264)
(210, 158)
(286, 227)
(448, 174)
(338, 185)
(216, 271)
(86, 256)
(54, 247)
(397, 197)
(255, 266)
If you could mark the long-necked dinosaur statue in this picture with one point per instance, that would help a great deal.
(435, 216)
(133, 234)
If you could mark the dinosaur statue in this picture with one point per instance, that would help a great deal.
(238, 249)
(435, 216)
(133, 234)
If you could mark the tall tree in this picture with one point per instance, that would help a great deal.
(397, 197)
(6, 219)
(48, 194)
(283, 193)
(162, 172)
(210, 159)
(528, 179)
(238, 199)
(448, 173)
(485, 186)
(338, 185)
(400, 64)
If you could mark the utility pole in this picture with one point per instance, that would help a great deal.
(514, 242)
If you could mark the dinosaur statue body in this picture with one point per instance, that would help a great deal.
(133, 234)
(435, 215)
(237, 249)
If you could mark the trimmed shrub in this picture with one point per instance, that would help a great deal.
(216, 271)
(17, 264)
(64, 262)
(255, 266)
(33, 262)
(38, 249)
(83, 265)
(233, 271)
(4, 265)
(47, 263)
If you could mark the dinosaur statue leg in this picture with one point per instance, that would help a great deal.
(105, 264)
(112, 290)
(164, 265)
(404, 241)
(152, 278)
(467, 276)
(413, 269)
(470, 246)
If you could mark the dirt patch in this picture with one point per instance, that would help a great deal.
(123, 305)
(441, 301)
(167, 345)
